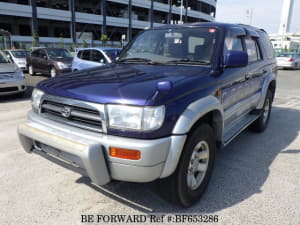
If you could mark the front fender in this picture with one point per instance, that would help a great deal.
(195, 111)
(189, 117)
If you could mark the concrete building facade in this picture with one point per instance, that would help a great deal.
(88, 22)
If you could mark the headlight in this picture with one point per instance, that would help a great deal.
(135, 118)
(19, 73)
(62, 65)
(36, 99)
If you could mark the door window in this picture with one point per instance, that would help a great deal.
(97, 56)
(252, 50)
(85, 55)
(42, 54)
(35, 53)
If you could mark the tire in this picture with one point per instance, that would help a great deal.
(193, 172)
(31, 70)
(261, 123)
(53, 72)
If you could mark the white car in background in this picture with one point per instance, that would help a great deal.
(18, 56)
(86, 58)
(12, 79)
(288, 60)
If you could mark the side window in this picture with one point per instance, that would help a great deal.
(96, 56)
(85, 55)
(270, 53)
(35, 53)
(252, 50)
(42, 54)
(232, 44)
(79, 54)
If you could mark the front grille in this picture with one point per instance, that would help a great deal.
(6, 75)
(83, 117)
(9, 89)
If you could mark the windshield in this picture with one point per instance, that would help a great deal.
(20, 54)
(112, 53)
(59, 53)
(3, 58)
(173, 45)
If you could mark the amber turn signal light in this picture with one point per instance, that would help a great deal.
(124, 153)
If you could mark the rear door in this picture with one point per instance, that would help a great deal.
(33, 60)
(256, 69)
(85, 58)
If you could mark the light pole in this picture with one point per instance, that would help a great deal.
(181, 11)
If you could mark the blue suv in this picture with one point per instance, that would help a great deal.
(176, 94)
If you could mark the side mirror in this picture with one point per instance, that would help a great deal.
(101, 60)
(45, 57)
(236, 59)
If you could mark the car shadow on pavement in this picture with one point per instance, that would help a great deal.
(241, 169)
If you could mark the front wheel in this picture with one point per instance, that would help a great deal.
(53, 72)
(261, 123)
(31, 70)
(193, 172)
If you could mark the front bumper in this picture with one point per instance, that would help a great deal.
(86, 152)
(12, 86)
(61, 71)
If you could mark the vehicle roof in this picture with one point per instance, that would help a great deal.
(208, 24)
(45, 48)
(12, 50)
(100, 48)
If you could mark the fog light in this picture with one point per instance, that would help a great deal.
(124, 153)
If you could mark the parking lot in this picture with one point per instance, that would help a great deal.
(256, 178)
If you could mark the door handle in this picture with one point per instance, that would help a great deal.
(247, 76)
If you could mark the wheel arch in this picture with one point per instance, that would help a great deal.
(205, 110)
(268, 84)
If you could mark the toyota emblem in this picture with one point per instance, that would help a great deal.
(66, 112)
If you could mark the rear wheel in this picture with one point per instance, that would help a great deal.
(261, 123)
(191, 177)
(31, 70)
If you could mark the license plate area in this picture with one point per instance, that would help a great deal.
(68, 158)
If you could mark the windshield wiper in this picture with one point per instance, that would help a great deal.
(148, 61)
(189, 61)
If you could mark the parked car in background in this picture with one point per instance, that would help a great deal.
(12, 79)
(18, 57)
(289, 60)
(50, 61)
(91, 57)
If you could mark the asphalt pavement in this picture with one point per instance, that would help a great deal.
(255, 181)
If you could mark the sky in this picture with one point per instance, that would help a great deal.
(266, 13)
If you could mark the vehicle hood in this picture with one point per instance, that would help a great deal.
(8, 68)
(123, 83)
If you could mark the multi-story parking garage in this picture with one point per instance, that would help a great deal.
(78, 21)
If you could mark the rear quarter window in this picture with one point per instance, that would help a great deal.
(267, 45)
